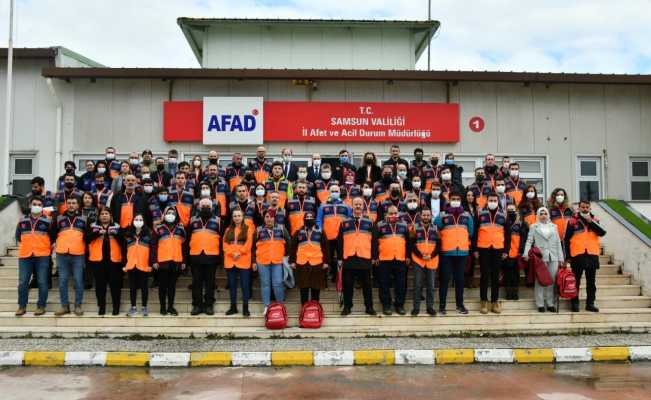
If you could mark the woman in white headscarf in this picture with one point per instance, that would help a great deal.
(544, 235)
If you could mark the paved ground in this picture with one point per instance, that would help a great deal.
(601, 381)
(190, 345)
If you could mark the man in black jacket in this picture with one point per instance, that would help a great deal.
(395, 159)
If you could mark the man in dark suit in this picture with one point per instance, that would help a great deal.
(314, 171)
(289, 168)
(395, 159)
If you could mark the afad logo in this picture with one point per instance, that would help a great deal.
(233, 122)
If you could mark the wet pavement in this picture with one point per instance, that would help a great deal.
(603, 381)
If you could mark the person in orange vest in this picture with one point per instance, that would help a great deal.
(277, 182)
(518, 232)
(529, 205)
(324, 183)
(302, 176)
(425, 260)
(204, 236)
(128, 203)
(514, 185)
(307, 258)
(417, 190)
(139, 255)
(34, 235)
(71, 229)
(370, 204)
(481, 187)
(582, 249)
(456, 228)
(381, 187)
(355, 249)
(242, 202)
(260, 205)
(491, 170)
(560, 211)
(260, 166)
(235, 171)
(392, 258)
(272, 245)
(274, 204)
(205, 191)
(491, 244)
(238, 248)
(38, 190)
(298, 206)
(169, 257)
(105, 243)
(69, 190)
(329, 217)
(411, 215)
(350, 190)
(182, 198)
(217, 190)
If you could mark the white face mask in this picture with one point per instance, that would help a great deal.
(134, 161)
(36, 209)
(196, 163)
(138, 224)
(415, 185)
(531, 195)
(205, 193)
(402, 174)
(101, 170)
(367, 192)
(436, 193)
(146, 176)
(302, 175)
(326, 175)
(446, 177)
(334, 195)
(585, 215)
(259, 192)
(560, 199)
(316, 163)
(148, 189)
(110, 156)
(172, 160)
(515, 173)
(500, 189)
(412, 205)
(492, 205)
(455, 203)
(287, 158)
(170, 218)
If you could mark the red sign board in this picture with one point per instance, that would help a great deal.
(294, 121)
(476, 124)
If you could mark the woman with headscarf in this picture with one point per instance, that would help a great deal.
(544, 235)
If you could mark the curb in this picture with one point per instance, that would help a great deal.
(324, 358)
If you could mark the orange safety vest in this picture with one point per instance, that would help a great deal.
(392, 241)
(322, 191)
(126, 211)
(455, 236)
(333, 215)
(491, 230)
(270, 246)
(70, 239)
(296, 210)
(357, 238)
(426, 244)
(309, 247)
(95, 249)
(138, 255)
(560, 220)
(205, 238)
(34, 237)
(170, 243)
(584, 241)
(243, 248)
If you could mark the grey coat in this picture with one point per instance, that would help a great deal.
(551, 248)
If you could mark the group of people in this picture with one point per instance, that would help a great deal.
(372, 224)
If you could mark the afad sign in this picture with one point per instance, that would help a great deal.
(237, 120)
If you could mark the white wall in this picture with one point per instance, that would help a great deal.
(642, 208)
(8, 219)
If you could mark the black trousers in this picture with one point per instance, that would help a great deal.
(363, 276)
(107, 273)
(138, 281)
(309, 294)
(588, 264)
(203, 284)
(392, 273)
(490, 262)
(168, 272)
(511, 273)
(451, 266)
(331, 259)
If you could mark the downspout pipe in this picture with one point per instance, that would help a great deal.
(58, 152)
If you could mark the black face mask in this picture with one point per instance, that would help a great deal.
(99, 186)
(69, 185)
(160, 167)
(369, 161)
(212, 161)
(70, 170)
(434, 161)
(395, 193)
(491, 168)
(419, 158)
(205, 212)
(309, 223)
(71, 213)
(386, 178)
(480, 178)
(36, 192)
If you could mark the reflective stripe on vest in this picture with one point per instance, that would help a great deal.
(333, 216)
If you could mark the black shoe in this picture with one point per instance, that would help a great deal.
(515, 295)
(400, 310)
(541, 309)
(163, 311)
(88, 286)
(196, 310)
(245, 310)
(154, 284)
(371, 311)
(386, 310)
(209, 310)
(551, 309)
(575, 307)
(431, 312)
(232, 310)
(345, 311)
(462, 310)
(116, 311)
(591, 308)
(172, 311)
(442, 311)
(102, 310)
(414, 312)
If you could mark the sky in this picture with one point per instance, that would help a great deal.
(595, 36)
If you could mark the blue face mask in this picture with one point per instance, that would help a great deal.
(343, 159)
(162, 197)
(449, 162)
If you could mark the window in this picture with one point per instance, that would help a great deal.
(589, 178)
(23, 169)
(640, 179)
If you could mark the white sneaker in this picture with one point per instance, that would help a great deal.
(264, 313)
(132, 312)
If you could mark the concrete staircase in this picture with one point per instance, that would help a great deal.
(623, 308)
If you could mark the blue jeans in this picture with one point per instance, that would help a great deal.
(68, 265)
(245, 284)
(26, 268)
(271, 276)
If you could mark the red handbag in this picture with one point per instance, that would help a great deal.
(276, 316)
(566, 282)
(311, 315)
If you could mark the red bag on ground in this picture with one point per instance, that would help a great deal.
(311, 315)
(276, 317)
(566, 282)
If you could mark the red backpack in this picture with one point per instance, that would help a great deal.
(311, 315)
(566, 282)
(276, 316)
